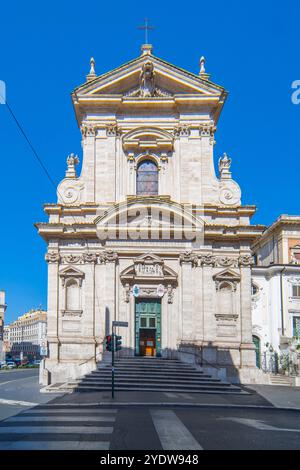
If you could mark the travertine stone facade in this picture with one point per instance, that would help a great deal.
(179, 237)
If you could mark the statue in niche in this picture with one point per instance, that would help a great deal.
(147, 77)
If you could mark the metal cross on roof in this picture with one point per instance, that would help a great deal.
(146, 27)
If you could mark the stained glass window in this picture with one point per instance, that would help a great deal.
(147, 178)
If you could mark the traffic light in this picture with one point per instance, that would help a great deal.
(108, 343)
(118, 343)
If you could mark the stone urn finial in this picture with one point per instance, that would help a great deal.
(72, 161)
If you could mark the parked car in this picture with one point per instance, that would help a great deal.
(11, 364)
(2, 364)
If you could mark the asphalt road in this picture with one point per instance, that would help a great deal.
(18, 389)
(50, 427)
(31, 420)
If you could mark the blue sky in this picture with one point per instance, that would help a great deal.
(251, 49)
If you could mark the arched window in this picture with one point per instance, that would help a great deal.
(147, 178)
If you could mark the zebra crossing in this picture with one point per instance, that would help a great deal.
(58, 428)
(75, 427)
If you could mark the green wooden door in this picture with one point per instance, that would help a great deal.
(256, 342)
(148, 316)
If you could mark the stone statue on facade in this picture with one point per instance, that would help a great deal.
(147, 77)
(224, 166)
(72, 161)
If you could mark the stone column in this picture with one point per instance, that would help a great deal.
(89, 161)
(187, 261)
(110, 259)
(209, 351)
(53, 258)
(247, 349)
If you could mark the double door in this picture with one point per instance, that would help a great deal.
(148, 327)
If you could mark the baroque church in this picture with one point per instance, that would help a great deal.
(148, 233)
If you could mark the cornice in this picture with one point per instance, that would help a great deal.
(274, 269)
(277, 227)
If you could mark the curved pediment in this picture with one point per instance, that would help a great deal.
(147, 138)
(150, 218)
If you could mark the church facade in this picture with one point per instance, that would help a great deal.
(148, 233)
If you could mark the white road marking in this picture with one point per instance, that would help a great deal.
(70, 411)
(54, 445)
(254, 423)
(56, 429)
(170, 395)
(172, 432)
(19, 419)
(3, 401)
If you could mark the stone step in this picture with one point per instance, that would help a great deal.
(150, 368)
(156, 388)
(153, 374)
(146, 380)
(137, 374)
(153, 362)
(138, 377)
(280, 380)
(149, 362)
(140, 382)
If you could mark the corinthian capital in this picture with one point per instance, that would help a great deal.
(207, 129)
(89, 258)
(246, 260)
(113, 130)
(52, 257)
(188, 257)
(108, 256)
(88, 130)
(208, 260)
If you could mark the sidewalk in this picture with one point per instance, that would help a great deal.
(279, 396)
(258, 396)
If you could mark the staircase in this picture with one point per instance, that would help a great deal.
(281, 380)
(153, 374)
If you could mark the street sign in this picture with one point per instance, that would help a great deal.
(120, 323)
(43, 351)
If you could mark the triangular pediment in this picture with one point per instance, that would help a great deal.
(70, 271)
(227, 275)
(169, 80)
(148, 258)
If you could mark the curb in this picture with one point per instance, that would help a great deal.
(170, 404)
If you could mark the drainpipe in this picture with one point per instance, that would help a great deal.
(281, 301)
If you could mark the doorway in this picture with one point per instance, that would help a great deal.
(148, 327)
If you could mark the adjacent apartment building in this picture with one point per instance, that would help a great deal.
(276, 287)
(27, 334)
